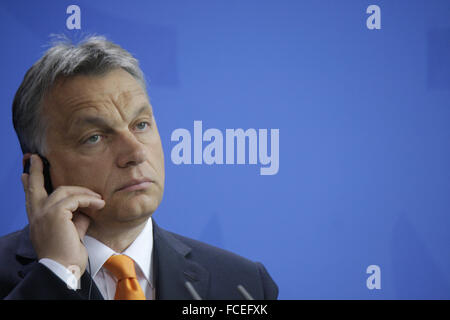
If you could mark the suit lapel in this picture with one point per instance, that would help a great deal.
(27, 257)
(173, 267)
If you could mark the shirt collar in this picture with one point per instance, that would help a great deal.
(140, 251)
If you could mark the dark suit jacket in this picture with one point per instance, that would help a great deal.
(214, 273)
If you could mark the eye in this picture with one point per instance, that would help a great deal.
(142, 125)
(93, 139)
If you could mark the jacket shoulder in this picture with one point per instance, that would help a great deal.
(204, 251)
(228, 268)
(9, 242)
(10, 265)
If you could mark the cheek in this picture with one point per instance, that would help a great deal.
(79, 174)
(58, 178)
(61, 174)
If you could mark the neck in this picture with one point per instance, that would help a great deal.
(118, 238)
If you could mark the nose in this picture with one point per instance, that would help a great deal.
(131, 151)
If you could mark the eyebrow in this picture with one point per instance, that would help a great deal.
(98, 121)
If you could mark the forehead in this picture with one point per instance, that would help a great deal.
(117, 91)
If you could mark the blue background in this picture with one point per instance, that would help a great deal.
(364, 130)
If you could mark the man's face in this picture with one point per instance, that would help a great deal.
(101, 135)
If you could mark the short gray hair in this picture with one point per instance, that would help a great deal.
(92, 56)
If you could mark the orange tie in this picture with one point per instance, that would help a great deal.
(128, 288)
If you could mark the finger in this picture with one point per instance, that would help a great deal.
(24, 179)
(36, 189)
(81, 201)
(81, 222)
(63, 192)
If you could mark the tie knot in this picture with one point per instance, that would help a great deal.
(121, 267)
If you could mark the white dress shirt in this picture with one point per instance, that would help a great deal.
(140, 251)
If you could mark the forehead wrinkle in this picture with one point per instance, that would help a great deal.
(97, 119)
(119, 101)
(123, 99)
(76, 118)
(81, 101)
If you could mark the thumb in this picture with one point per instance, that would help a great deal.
(24, 179)
(81, 222)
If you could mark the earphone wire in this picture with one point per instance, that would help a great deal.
(90, 282)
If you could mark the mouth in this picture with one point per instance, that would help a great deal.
(136, 184)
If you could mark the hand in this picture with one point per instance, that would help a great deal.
(56, 227)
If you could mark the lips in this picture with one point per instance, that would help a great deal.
(136, 184)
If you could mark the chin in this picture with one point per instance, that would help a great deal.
(136, 207)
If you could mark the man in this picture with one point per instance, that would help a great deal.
(85, 110)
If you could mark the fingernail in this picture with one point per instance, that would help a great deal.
(31, 159)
